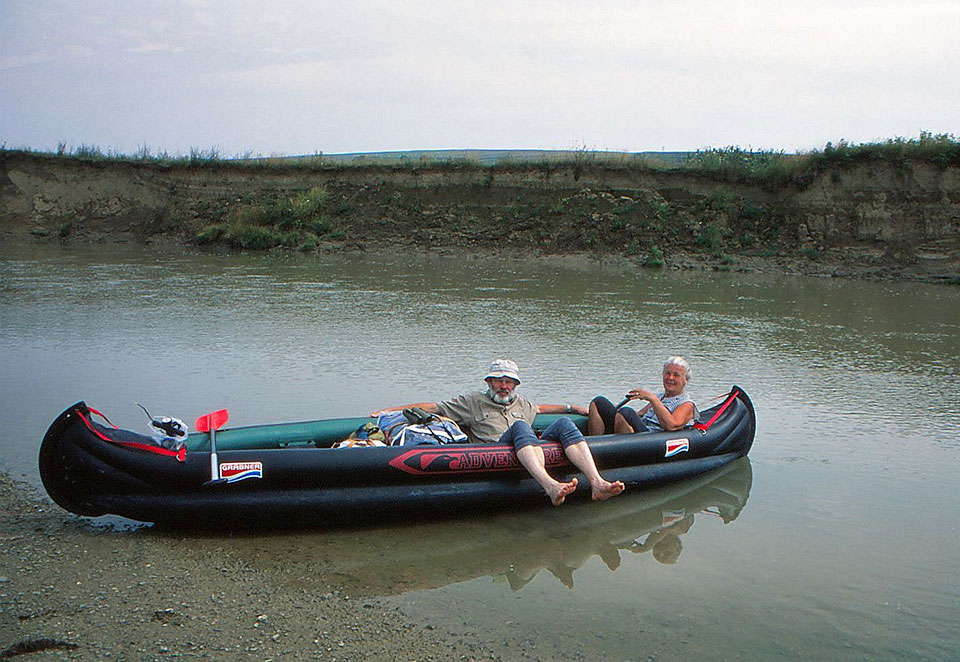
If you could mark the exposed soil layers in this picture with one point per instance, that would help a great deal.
(870, 219)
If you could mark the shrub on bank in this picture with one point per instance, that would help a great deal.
(654, 258)
(765, 168)
(775, 169)
(297, 222)
(942, 149)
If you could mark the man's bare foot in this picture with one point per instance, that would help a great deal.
(560, 491)
(605, 490)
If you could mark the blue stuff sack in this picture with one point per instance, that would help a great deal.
(400, 432)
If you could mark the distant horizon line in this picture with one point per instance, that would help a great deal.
(484, 155)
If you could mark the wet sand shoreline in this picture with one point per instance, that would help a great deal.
(71, 590)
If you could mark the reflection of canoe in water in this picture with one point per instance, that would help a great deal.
(286, 474)
(512, 547)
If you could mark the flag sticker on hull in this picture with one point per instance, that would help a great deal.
(234, 471)
(675, 446)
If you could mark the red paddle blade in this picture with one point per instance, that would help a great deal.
(212, 421)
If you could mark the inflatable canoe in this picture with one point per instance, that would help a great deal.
(289, 474)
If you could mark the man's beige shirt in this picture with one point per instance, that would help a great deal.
(483, 419)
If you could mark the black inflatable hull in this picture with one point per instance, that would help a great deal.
(281, 478)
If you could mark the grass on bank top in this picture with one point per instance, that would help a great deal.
(730, 164)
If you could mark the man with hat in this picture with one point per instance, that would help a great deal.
(501, 415)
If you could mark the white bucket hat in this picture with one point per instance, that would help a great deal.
(503, 368)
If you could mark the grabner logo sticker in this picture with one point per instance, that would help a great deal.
(234, 471)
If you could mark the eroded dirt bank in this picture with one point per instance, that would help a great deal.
(869, 219)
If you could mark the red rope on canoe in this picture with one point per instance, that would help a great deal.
(703, 427)
(181, 454)
(101, 415)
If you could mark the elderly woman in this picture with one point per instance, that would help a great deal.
(671, 410)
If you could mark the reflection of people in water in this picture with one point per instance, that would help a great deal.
(664, 543)
(564, 562)
(657, 529)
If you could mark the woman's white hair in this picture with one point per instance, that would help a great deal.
(683, 363)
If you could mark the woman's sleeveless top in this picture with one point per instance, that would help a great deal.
(650, 418)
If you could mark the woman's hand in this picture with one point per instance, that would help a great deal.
(642, 394)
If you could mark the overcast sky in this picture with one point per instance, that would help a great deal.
(302, 76)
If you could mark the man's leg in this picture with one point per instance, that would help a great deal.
(530, 454)
(577, 451)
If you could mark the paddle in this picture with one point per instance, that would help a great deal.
(210, 423)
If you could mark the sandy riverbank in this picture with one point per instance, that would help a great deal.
(70, 590)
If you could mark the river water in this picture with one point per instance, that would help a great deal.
(837, 539)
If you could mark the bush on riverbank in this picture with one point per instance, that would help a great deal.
(941, 149)
(775, 169)
(299, 222)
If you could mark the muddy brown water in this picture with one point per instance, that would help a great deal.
(837, 539)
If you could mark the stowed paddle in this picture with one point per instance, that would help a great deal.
(210, 423)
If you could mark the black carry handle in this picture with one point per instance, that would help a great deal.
(417, 416)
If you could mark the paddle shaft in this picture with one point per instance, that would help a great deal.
(214, 463)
